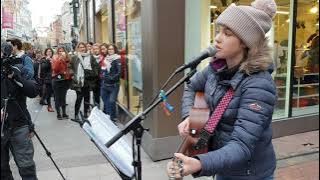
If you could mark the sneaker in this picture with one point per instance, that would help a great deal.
(65, 116)
(59, 117)
(50, 109)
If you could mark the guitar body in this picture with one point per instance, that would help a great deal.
(198, 117)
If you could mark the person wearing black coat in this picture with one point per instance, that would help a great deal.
(17, 125)
(45, 75)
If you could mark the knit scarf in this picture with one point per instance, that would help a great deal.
(108, 61)
(84, 63)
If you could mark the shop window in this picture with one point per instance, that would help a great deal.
(278, 39)
(121, 41)
(128, 40)
(306, 70)
(134, 55)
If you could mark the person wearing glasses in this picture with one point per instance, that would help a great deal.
(110, 78)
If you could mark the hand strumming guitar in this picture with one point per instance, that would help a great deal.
(184, 127)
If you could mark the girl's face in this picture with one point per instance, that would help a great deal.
(95, 50)
(110, 50)
(228, 44)
(104, 50)
(49, 53)
(82, 48)
(89, 47)
(61, 52)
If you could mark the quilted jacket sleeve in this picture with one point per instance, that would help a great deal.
(197, 83)
(258, 97)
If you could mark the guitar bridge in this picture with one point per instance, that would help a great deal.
(203, 140)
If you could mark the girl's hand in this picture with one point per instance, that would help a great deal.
(183, 127)
(183, 166)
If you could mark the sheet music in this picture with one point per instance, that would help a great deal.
(101, 131)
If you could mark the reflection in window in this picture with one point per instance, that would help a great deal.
(120, 38)
(306, 70)
(134, 55)
(280, 39)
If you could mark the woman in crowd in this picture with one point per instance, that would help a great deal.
(86, 71)
(110, 78)
(95, 51)
(238, 86)
(46, 76)
(61, 78)
(37, 73)
(89, 47)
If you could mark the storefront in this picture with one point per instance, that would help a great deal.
(294, 38)
(127, 20)
(101, 21)
(155, 37)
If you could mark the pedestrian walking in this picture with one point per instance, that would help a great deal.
(238, 86)
(61, 79)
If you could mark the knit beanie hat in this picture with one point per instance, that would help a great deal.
(249, 23)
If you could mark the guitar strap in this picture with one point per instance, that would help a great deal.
(213, 121)
(218, 112)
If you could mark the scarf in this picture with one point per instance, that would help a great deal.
(84, 63)
(97, 57)
(20, 54)
(108, 61)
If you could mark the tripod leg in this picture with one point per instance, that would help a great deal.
(49, 154)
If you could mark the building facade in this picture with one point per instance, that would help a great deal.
(21, 19)
(159, 36)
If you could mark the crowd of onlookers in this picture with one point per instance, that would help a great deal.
(91, 67)
(49, 74)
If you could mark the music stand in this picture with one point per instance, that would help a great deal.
(101, 129)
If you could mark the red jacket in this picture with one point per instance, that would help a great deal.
(61, 67)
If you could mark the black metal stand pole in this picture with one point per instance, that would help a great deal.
(48, 154)
(137, 128)
(136, 140)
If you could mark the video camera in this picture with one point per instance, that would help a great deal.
(7, 59)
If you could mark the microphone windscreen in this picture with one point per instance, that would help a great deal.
(211, 51)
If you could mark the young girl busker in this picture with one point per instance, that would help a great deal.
(241, 146)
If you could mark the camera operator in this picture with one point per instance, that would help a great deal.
(16, 125)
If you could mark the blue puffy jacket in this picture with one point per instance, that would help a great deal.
(241, 146)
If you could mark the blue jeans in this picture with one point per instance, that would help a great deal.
(231, 178)
(109, 95)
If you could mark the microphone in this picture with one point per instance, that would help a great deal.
(209, 52)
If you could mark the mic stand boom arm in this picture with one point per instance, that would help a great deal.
(134, 123)
(135, 126)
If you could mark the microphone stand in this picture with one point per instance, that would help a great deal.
(135, 126)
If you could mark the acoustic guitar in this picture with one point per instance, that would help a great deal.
(198, 116)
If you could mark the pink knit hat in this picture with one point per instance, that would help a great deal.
(249, 23)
